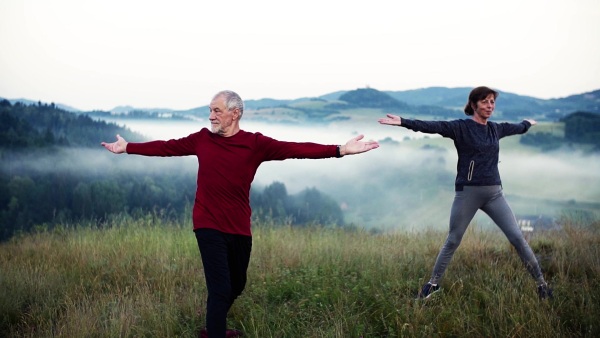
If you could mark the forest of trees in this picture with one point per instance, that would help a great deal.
(580, 127)
(47, 177)
(305, 208)
(583, 127)
(27, 127)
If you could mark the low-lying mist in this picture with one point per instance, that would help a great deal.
(407, 183)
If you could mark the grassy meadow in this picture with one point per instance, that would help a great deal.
(144, 278)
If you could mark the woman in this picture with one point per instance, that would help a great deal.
(478, 184)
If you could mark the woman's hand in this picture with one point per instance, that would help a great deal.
(392, 120)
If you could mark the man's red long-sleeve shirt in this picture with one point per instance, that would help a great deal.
(226, 169)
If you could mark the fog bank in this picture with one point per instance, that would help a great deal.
(407, 183)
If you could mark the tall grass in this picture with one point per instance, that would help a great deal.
(143, 277)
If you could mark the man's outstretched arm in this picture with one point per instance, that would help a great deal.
(118, 147)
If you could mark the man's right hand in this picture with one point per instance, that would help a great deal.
(118, 147)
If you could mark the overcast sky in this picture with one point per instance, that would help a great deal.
(98, 54)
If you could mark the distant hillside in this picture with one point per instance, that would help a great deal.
(439, 102)
(31, 102)
(41, 125)
(588, 102)
(429, 102)
(433, 96)
(583, 127)
(509, 105)
(372, 98)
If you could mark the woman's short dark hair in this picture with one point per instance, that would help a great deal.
(476, 95)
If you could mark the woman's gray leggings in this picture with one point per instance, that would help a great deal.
(491, 200)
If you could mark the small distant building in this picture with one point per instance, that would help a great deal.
(530, 224)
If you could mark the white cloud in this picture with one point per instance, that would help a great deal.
(176, 54)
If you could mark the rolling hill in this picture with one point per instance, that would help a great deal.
(431, 102)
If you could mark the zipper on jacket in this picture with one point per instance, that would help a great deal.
(471, 167)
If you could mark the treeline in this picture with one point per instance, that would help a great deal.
(580, 127)
(583, 127)
(310, 206)
(23, 127)
(53, 171)
(45, 198)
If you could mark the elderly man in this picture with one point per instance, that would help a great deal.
(228, 158)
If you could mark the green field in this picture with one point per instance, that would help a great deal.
(143, 278)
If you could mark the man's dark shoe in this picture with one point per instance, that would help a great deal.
(230, 333)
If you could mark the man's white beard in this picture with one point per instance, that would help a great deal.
(217, 129)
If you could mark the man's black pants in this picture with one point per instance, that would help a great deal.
(225, 258)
